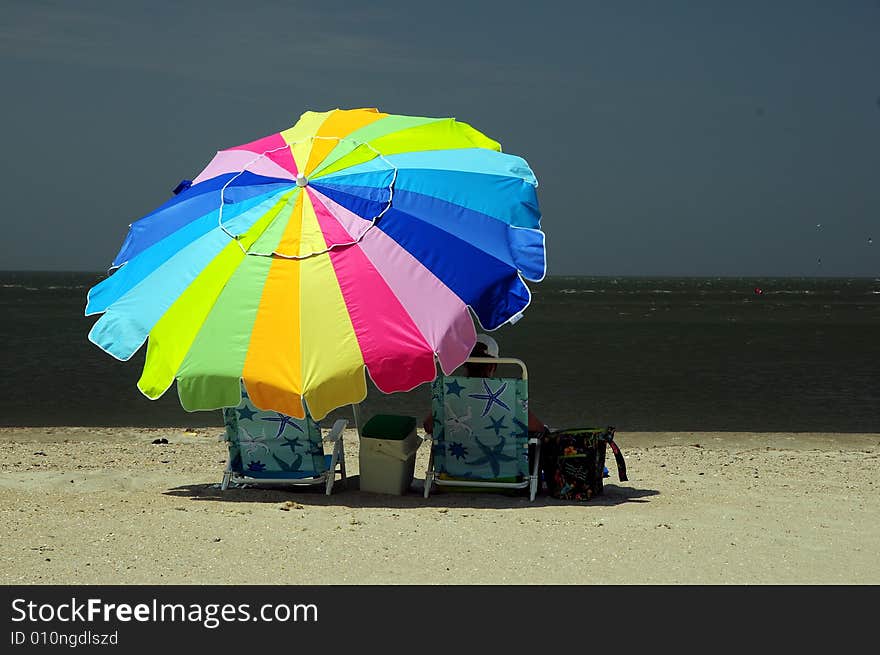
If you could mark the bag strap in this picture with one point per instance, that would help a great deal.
(608, 438)
(618, 457)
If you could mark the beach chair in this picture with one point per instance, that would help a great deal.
(267, 446)
(481, 437)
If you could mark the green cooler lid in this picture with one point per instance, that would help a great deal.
(389, 426)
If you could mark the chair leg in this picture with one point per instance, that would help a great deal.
(342, 465)
(331, 477)
(337, 458)
(536, 471)
(429, 472)
(224, 484)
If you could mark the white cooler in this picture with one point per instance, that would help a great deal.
(388, 446)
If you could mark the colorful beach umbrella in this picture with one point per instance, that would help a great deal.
(354, 241)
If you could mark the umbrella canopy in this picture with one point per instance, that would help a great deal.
(353, 241)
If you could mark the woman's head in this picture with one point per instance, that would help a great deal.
(485, 346)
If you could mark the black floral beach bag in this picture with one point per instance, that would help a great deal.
(573, 462)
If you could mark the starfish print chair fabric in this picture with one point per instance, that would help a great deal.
(481, 436)
(266, 446)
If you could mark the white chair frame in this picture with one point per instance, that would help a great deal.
(531, 481)
(328, 477)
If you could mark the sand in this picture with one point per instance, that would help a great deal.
(107, 506)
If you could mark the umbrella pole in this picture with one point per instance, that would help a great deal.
(355, 410)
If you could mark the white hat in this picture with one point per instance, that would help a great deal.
(490, 343)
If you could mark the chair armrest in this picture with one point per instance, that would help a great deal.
(335, 433)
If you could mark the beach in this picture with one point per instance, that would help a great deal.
(93, 505)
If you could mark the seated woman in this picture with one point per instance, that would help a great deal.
(486, 346)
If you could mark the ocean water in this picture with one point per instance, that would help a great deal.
(665, 354)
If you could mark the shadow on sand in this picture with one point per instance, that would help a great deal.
(350, 496)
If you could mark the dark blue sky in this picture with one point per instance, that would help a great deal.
(669, 138)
